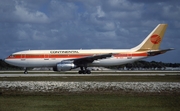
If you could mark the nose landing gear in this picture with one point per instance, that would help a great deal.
(25, 71)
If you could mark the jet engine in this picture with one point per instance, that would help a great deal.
(64, 66)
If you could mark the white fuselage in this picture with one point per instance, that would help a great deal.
(64, 60)
(50, 58)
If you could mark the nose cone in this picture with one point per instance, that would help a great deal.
(15, 62)
(10, 61)
(7, 61)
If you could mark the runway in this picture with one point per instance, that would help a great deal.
(109, 73)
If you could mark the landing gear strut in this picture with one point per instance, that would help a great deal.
(84, 71)
(25, 71)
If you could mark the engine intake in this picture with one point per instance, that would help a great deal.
(64, 66)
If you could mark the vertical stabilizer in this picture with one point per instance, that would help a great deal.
(153, 40)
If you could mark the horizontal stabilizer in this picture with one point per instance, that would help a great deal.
(153, 53)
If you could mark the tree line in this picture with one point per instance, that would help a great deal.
(130, 66)
(145, 65)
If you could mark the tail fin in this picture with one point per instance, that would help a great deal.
(153, 40)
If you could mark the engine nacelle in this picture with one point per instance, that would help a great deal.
(64, 66)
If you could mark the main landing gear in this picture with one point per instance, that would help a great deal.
(25, 71)
(84, 71)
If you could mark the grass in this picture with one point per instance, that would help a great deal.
(91, 102)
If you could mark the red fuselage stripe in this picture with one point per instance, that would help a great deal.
(41, 56)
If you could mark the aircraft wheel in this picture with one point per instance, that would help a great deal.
(84, 71)
(25, 72)
(80, 72)
(88, 71)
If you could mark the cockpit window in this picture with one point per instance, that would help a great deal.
(11, 56)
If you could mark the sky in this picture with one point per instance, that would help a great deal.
(87, 24)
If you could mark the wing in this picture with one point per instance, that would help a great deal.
(89, 59)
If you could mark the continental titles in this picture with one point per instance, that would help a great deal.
(62, 52)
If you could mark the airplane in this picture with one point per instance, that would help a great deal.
(66, 60)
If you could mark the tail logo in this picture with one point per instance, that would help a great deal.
(155, 39)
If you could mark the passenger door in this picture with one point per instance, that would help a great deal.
(23, 57)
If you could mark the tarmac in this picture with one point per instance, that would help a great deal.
(108, 73)
(80, 75)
